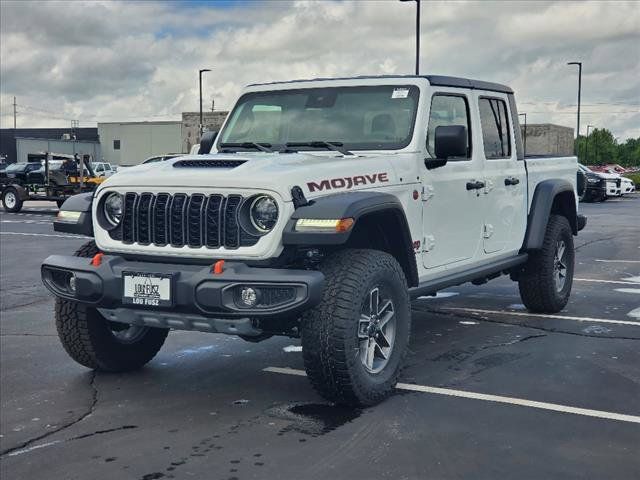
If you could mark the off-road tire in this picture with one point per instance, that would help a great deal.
(88, 339)
(330, 330)
(536, 283)
(17, 206)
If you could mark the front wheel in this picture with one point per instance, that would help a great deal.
(354, 342)
(545, 284)
(99, 344)
(11, 200)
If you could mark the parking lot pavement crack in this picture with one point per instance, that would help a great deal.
(28, 335)
(89, 411)
(512, 342)
(604, 239)
(477, 318)
(43, 299)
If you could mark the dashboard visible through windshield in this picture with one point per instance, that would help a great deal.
(358, 118)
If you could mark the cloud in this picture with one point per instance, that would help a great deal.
(109, 61)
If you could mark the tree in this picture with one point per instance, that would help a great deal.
(601, 147)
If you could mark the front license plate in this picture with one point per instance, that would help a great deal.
(147, 289)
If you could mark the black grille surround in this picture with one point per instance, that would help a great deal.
(195, 220)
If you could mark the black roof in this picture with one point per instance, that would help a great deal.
(436, 80)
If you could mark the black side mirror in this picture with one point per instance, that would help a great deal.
(206, 142)
(450, 141)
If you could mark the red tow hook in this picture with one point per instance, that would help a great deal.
(96, 261)
(218, 267)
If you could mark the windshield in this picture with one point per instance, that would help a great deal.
(584, 169)
(360, 118)
(15, 167)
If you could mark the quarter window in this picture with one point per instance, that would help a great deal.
(448, 110)
(494, 121)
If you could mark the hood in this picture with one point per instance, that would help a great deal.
(317, 174)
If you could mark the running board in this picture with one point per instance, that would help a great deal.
(430, 287)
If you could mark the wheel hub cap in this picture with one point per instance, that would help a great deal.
(10, 200)
(376, 331)
(560, 265)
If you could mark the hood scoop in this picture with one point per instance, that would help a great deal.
(208, 163)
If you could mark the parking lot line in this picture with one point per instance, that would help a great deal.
(594, 280)
(36, 222)
(617, 261)
(491, 398)
(541, 315)
(43, 235)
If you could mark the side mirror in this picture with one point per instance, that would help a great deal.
(450, 141)
(206, 142)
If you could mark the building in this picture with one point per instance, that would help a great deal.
(191, 121)
(130, 143)
(34, 140)
(28, 147)
(548, 139)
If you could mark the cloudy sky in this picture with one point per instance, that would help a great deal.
(110, 61)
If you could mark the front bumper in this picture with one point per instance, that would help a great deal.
(197, 294)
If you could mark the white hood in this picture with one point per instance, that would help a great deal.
(316, 174)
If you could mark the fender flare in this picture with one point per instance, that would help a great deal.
(356, 205)
(544, 197)
(77, 203)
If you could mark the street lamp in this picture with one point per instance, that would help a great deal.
(200, 84)
(417, 34)
(586, 145)
(525, 131)
(579, 92)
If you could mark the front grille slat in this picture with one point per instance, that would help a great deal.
(195, 220)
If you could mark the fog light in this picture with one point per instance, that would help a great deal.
(248, 296)
(72, 284)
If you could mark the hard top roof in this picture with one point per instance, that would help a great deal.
(436, 80)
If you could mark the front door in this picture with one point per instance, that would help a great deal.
(452, 195)
(505, 178)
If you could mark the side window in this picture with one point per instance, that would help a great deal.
(494, 121)
(100, 168)
(448, 110)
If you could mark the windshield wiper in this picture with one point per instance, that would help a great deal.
(263, 147)
(336, 146)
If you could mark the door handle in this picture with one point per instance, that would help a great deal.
(511, 181)
(475, 185)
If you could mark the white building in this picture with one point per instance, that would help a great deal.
(130, 143)
(26, 147)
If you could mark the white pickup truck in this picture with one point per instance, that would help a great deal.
(319, 211)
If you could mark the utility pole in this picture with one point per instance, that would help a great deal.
(417, 34)
(579, 64)
(14, 113)
(200, 72)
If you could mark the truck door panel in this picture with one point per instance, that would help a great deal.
(505, 178)
(452, 213)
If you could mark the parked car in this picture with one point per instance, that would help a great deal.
(612, 184)
(328, 205)
(103, 169)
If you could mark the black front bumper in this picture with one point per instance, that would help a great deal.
(195, 289)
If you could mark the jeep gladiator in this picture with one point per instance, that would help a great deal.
(319, 211)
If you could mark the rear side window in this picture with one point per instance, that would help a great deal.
(494, 121)
(447, 110)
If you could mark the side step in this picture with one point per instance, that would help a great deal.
(475, 274)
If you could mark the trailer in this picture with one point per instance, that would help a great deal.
(44, 183)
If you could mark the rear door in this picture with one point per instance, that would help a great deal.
(505, 177)
(452, 212)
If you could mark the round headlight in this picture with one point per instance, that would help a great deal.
(263, 213)
(113, 208)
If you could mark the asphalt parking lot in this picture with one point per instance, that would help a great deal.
(490, 391)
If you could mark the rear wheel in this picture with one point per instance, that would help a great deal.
(545, 284)
(355, 341)
(97, 343)
(11, 200)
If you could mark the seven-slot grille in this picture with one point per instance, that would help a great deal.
(180, 219)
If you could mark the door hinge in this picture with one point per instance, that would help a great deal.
(427, 192)
(429, 243)
(487, 231)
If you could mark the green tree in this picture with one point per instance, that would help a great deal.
(601, 147)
